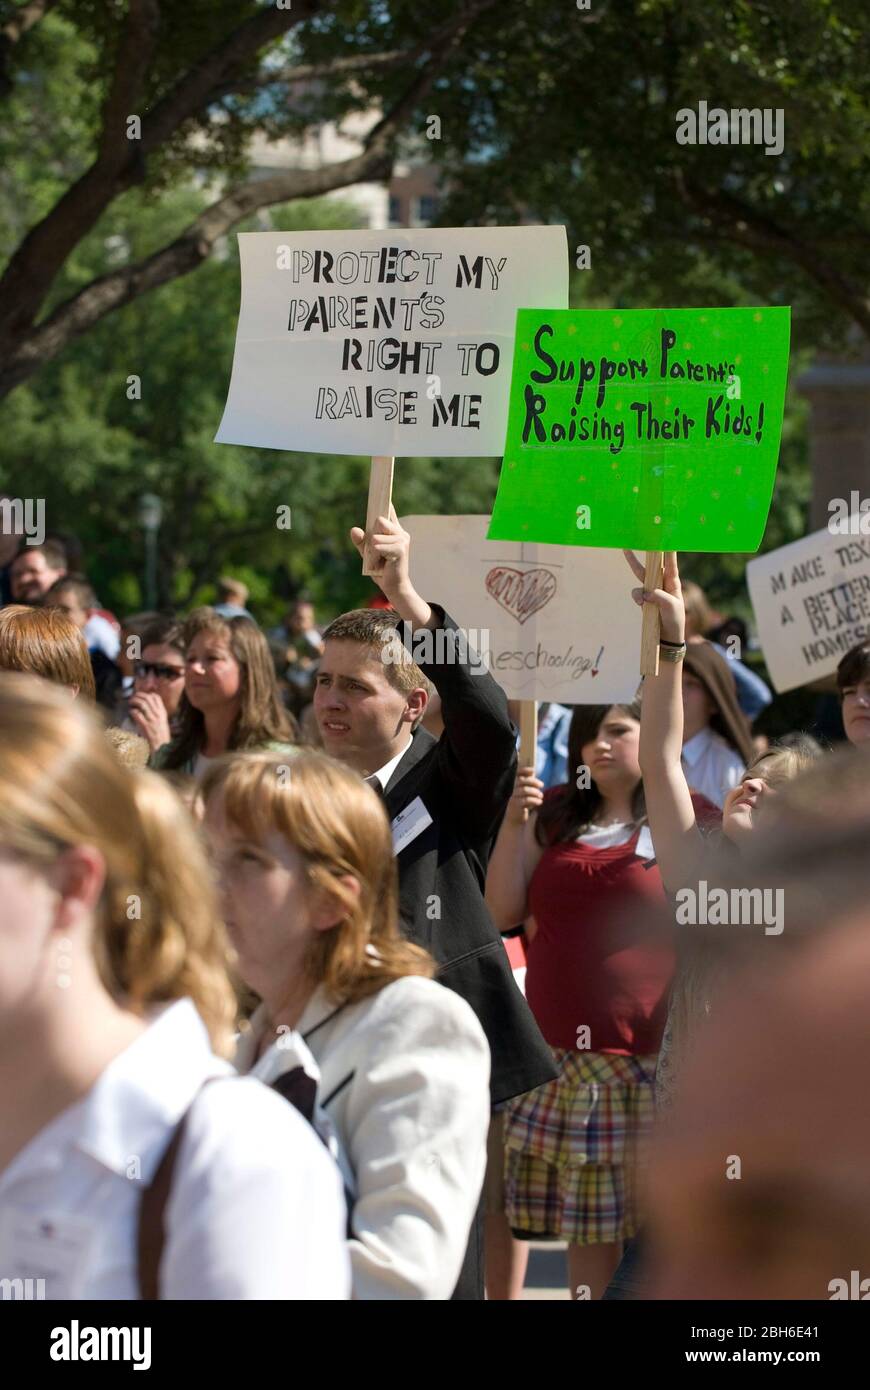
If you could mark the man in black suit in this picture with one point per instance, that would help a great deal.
(445, 798)
(447, 795)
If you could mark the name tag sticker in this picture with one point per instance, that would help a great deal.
(644, 847)
(45, 1248)
(409, 824)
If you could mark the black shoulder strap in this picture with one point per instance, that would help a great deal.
(152, 1208)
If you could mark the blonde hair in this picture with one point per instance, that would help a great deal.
(339, 827)
(781, 763)
(699, 615)
(232, 591)
(45, 642)
(158, 935)
(129, 748)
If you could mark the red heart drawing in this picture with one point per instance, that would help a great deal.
(521, 592)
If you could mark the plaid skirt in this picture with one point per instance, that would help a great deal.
(573, 1149)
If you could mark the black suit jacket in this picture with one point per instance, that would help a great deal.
(464, 780)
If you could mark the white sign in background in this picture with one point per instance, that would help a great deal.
(554, 622)
(812, 604)
(385, 343)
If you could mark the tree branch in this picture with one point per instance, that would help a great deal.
(196, 88)
(78, 314)
(194, 246)
(309, 72)
(748, 227)
(358, 62)
(34, 266)
(22, 20)
(135, 50)
(449, 39)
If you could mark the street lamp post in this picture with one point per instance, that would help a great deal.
(150, 516)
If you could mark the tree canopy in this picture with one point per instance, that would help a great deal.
(544, 111)
(125, 138)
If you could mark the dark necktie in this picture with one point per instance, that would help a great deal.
(374, 783)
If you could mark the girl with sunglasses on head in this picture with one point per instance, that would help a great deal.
(231, 699)
(116, 1015)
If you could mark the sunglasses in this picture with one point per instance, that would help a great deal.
(155, 668)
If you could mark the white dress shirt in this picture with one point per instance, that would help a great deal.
(404, 1079)
(100, 636)
(711, 765)
(256, 1208)
(384, 773)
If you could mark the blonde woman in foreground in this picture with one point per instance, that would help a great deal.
(311, 902)
(114, 1010)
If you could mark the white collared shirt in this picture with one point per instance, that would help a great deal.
(384, 773)
(711, 765)
(404, 1079)
(255, 1210)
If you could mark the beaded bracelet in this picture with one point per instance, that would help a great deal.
(672, 651)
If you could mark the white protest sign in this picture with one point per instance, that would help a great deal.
(552, 622)
(812, 603)
(390, 343)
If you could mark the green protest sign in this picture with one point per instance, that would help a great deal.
(653, 429)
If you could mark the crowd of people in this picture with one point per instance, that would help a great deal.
(309, 990)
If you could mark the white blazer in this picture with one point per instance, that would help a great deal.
(404, 1078)
(256, 1207)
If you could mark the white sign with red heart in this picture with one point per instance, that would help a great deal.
(553, 622)
(521, 593)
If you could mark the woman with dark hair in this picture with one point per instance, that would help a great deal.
(231, 699)
(571, 862)
(717, 743)
(853, 684)
(158, 683)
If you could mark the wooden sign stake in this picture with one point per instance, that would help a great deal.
(651, 629)
(528, 732)
(380, 497)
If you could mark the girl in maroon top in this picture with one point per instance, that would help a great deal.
(571, 863)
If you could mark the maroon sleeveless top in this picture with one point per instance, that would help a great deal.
(593, 962)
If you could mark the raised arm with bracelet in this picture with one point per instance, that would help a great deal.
(669, 806)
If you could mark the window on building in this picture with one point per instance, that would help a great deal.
(427, 207)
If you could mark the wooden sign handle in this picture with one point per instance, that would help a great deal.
(380, 497)
(651, 629)
(528, 732)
